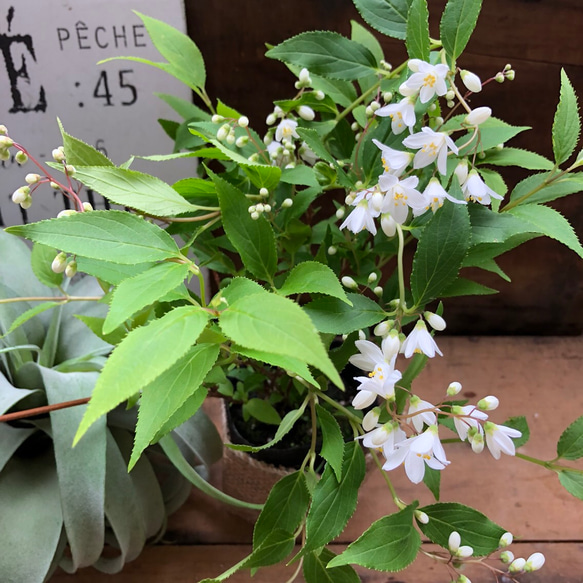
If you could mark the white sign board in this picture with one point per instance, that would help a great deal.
(49, 51)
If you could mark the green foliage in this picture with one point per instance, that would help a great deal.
(386, 16)
(521, 424)
(567, 123)
(313, 277)
(332, 441)
(457, 24)
(316, 569)
(389, 544)
(572, 481)
(418, 30)
(81, 154)
(475, 529)
(570, 445)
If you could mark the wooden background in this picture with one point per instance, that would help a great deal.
(537, 37)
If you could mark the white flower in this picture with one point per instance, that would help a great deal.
(471, 81)
(286, 130)
(381, 381)
(478, 116)
(402, 114)
(420, 341)
(434, 195)
(386, 436)
(475, 189)
(534, 562)
(467, 417)
(428, 79)
(498, 439)
(364, 213)
(399, 196)
(421, 412)
(432, 146)
(275, 150)
(307, 155)
(417, 451)
(394, 161)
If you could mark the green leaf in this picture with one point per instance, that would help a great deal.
(432, 479)
(360, 34)
(386, 16)
(517, 157)
(491, 227)
(96, 326)
(112, 273)
(144, 354)
(549, 222)
(262, 176)
(262, 411)
(418, 31)
(284, 508)
(40, 261)
(333, 501)
(185, 109)
(163, 397)
(79, 153)
(572, 482)
(326, 53)
(31, 313)
(570, 445)
(316, 569)
(332, 316)
(332, 441)
(476, 530)
(114, 236)
(275, 324)
(458, 21)
(285, 427)
(389, 544)
(276, 546)
(440, 252)
(303, 175)
(137, 292)
(535, 189)
(567, 123)
(520, 423)
(313, 277)
(135, 190)
(254, 240)
(465, 287)
(185, 61)
(493, 132)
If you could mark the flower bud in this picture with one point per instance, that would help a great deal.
(454, 541)
(304, 77)
(505, 540)
(348, 282)
(507, 557)
(241, 141)
(387, 96)
(59, 263)
(223, 132)
(54, 185)
(32, 178)
(364, 399)
(378, 291)
(361, 335)
(488, 403)
(332, 250)
(340, 213)
(435, 321)
(3, 130)
(270, 119)
(464, 552)
(287, 203)
(462, 579)
(319, 95)
(388, 225)
(450, 95)
(421, 516)
(454, 389)
(4, 154)
(252, 209)
(478, 116)
(6, 142)
(267, 208)
(66, 213)
(58, 155)
(306, 112)
(21, 157)
(243, 121)
(71, 269)
(354, 126)
(461, 171)
(477, 442)
(230, 139)
(370, 420)
(534, 562)
(471, 81)
(499, 78)
(517, 566)
(383, 328)
(510, 75)
(70, 169)
(27, 203)
(263, 192)
(259, 207)
(450, 103)
(372, 277)
(217, 118)
(255, 215)
(87, 206)
(20, 194)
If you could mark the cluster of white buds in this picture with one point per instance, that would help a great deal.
(518, 565)
(62, 264)
(58, 154)
(68, 212)
(256, 210)
(5, 143)
(22, 197)
(304, 79)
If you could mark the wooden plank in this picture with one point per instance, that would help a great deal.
(564, 564)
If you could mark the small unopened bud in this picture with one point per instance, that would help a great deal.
(454, 389)
(507, 67)
(348, 282)
(4, 154)
(6, 142)
(477, 442)
(267, 208)
(478, 116)
(370, 420)
(464, 552)
(27, 203)
(461, 171)
(3, 130)
(259, 207)
(386, 65)
(319, 95)
(432, 108)
(304, 77)
(58, 155)
(263, 192)
(499, 78)
(361, 335)
(20, 194)
(354, 126)
(87, 206)
(421, 516)
(32, 178)
(507, 557)
(217, 118)
(70, 169)
(454, 541)
(462, 579)
(71, 269)
(21, 157)
(253, 157)
(350, 198)
(383, 328)
(270, 119)
(387, 96)
(306, 112)
(534, 562)
(510, 75)
(223, 132)
(450, 95)
(435, 321)
(59, 263)
(505, 540)
(517, 566)
(369, 112)
(332, 250)
(488, 403)
(438, 120)
(378, 291)
(252, 209)
(231, 139)
(450, 103)
(287, 202)
(388, 225)
(54, 185)
(471, 81)
(66, 213)
(241, 141)
(372, 277)
(340, 213)
(374, 105)
(243, 121)
(255, 215)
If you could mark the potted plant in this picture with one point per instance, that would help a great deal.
(303, 232)
(64, 506)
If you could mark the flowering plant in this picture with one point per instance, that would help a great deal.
(304, 232)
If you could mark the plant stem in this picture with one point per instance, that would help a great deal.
(400, 271)
(548, 465)
(314, 431)
(338, 406)
(42, 410)
(52, 299)
(398, 502)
